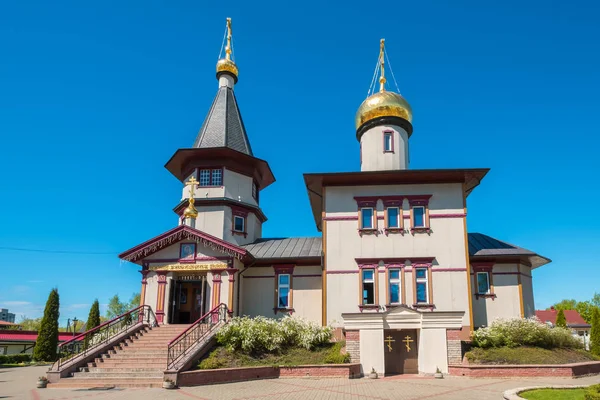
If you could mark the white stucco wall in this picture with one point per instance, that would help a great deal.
(373, 157)
(238, 187)
(527, 284)
(151, 290)
(446, 244)
(17, 348)
(506, 304)
(371, 350)
(433, 351)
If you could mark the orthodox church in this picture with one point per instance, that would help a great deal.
(394, 268)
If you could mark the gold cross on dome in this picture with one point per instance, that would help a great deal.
(191, 183)
(389, 342)
(408, 340)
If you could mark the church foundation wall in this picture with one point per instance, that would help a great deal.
(433, 350)
(353, 345)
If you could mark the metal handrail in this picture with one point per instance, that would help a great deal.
(206, 324)
(88, 341)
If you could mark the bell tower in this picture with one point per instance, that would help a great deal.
(221, 177)
(383, 126)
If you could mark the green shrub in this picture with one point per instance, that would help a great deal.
(335, 356)
(595, 333)
(592, 393)
(15, 358)
(213, 361)
(524, 332)
(266, 335)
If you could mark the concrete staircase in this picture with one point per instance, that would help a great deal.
(138, 361)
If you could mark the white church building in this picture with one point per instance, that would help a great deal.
(394, 267)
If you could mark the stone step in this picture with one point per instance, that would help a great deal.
(68, 383)
(89, 375)
(131, 362)
(138, 356)
(120, 369)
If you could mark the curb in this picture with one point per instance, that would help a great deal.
(513, 394)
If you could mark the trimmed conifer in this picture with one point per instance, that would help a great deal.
(47, 341)
(595, 333)
(94, 316)
(561, 320)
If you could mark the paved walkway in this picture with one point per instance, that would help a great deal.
(19, 383)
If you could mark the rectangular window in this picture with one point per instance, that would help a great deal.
(483, 283)
(239, 224)
(366, 218)
(283, 291)
(388, 142)
(368, 286)
(394, 285)
(393, 215)
(422, 285)
(254, 191)
(211, 177)
(419, 216)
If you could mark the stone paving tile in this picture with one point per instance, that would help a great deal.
(18, 383)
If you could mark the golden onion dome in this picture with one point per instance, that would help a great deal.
(190, 211)
(227, 65)
(383, 104)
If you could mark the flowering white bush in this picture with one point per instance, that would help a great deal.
(513, 332)
(260, 334)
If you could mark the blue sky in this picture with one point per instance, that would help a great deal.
(96, 96)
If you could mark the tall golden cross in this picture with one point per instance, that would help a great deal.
(408, 340)
(389, 342)
(228, 47)
(191, 183)
(382, 65)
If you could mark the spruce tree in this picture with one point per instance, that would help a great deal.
(595, 333)
(94, 316)
(561, 321)
(47, 340)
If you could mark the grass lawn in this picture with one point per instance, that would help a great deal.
(554, 394)
(527, 355)
(220, 357)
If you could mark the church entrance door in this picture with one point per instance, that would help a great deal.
(188, 300)
(400, 348)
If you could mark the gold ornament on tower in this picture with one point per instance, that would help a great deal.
(190, 211)
(226, 64)
(383, 103)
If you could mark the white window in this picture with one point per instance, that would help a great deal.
(283, 291)
(394, 286)
(388, 142)
(393, 217)
(366, 218)
(422, 285)
(419, 216)
(211, 177)
(483, 283)
(239, 223)
(368, 287)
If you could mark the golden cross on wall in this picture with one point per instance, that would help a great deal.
(408, 340)
(389, 342)
(191, 183)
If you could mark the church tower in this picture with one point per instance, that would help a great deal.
(221, 177)
(383, 127)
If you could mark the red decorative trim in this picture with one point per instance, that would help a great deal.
(239, 211)
(391, 133)
(284, 310)
(415, 261)
(420, 230)
(144, 273)
(342, 271)
(272, 276)
(423, 305)
(178, 234)
(347, 218)
(201, 202)
(162, 277)
(368, 231)
(461, 215)
(366, 201)
(482, 266)
(202, 258)
(392, 201)
(485, 296)
(231, 273)
(217, 276)
(284, 269)
(448, 269)
(418, 199)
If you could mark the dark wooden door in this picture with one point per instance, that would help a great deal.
(400, 349)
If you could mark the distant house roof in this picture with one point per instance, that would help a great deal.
(487, 246)
(286, 248)
(574, 320)
(28, 336)
(6, 323)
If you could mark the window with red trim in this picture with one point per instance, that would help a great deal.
(239, 221)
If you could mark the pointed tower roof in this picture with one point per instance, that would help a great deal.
(223, 126)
